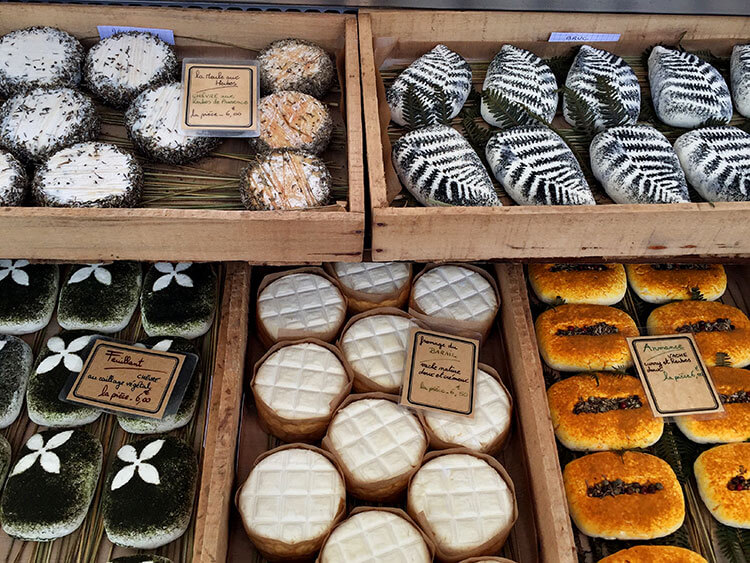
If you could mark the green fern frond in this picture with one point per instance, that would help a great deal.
(416, 112)
(696, 294)
(508, 113)
(729, 544)
(581, 112)
(713, 122)
(477, 135)
(557, 302)
(443, 109)
(677, 451)
(560, 66)
(613, 111)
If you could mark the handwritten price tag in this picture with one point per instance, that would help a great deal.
(441, 372)
(674, 376)
(131, 380)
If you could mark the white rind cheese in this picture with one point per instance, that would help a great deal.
(740, 75)
(455, 293)
(13, 180)
(375, 278)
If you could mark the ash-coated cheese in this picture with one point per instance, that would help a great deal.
(438, 73)
(439, 167)
(636, 164)
(716, 161)
(536, 167)
(13, 180)
(686, 90)
(740, 78)
(16, 359)
(524, 80)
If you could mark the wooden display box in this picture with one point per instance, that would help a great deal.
(212, 225)
(392, 39)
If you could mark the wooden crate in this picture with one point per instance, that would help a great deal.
(222, 356)
(539, 501)
(392, 38)
(185, 228)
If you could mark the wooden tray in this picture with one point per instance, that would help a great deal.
(391, 39)
(701, 532)
(222, 352)
(524, 543)
(194, 212)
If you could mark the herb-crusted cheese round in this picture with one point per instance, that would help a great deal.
(285, 179)
(123, 65)
(293, 120)
(153, 123)
(89, 174)
(16, 359)
(41, 122)
(295, 64)
(38, 57)
(13, 180)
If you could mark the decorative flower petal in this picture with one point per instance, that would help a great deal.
(103, 276)
(36, 442)
(78, 344)
(182, 266)
(163, 282)
(56, 344)
(24, 463)
(128, 453)
(164, 267)
(148, 473)
(4, 342)
(151, 450)
(4, 274)
(161, 346)
(6, 263)
(123, 476)
(21, 263)
(73, 363)
(183, 280)
(50, 462)
(81, 274)
(49, 363)
(58, 440)
(20, 277)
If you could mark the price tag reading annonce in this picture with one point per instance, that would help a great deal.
(125, 379)
(674, 376)
(441, 372)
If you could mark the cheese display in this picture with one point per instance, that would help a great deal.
(439, 167)
(740, 70)
(13, 181)
(38, 57)
(89, 175)
(149, 492)
(295, 64)
(519, 158)
(456, 294)
(654, 554)
(625, 496)
(292, 498)
(285, 179)
(101, 297)
(300, 305)
(662, 283)
(717, 328)
(16, 360)
(636, 164)
(733, 387)
(594, 68)
(716, 161)
(121, 66)
(374, 535)
(585, 338)
(486, 432)
(373, 284)
(594, 284)
(297, 387)
(178, 299)
(28, 293)
(686, 90)
(525, 81)
(153, 124)
(375, 346)
(722, 477)
(36, 124)
(293, 120)
(601, 411)
(62, 356)
(440, 81)
(379, 443)
(51, 485)
(186, 410)
(483, 517)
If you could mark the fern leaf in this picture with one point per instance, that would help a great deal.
(696, 295)
(477, 135)
(416, 113)
(508, 113)
(582, 114)
(613, 111)
(729, 544)
(560, 66)
(443, 109)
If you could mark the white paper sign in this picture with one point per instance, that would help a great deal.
(166, 35)
(574, 37)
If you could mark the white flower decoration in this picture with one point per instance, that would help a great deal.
(101, 274)
(14, 268)
(172, 272)
(64, 353)
(161, 346)
(49, 460)
(3, 343)
(146, 471)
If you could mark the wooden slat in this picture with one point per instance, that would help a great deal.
(550, 505)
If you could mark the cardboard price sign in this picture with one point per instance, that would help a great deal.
(441, 372)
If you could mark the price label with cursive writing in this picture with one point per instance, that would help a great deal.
(125, 379)
(220, 98)
(440, 372)
(674, 376)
